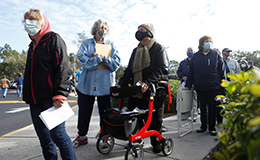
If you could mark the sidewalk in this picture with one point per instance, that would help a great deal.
(24, 144)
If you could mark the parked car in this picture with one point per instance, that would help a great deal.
(12, 84)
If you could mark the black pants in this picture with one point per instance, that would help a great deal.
(86, 104)
(219, 113)
(207, 100)
(156, 122)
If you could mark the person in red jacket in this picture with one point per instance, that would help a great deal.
(46, 82)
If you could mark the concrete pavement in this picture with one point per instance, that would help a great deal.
(23, 144)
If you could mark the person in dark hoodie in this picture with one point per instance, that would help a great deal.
(46, 82)
(206, 72)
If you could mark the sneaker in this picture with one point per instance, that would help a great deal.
(164, 129)
(80, 140)
(213, 133)
(201, 130)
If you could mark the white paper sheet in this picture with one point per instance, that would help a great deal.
(183, 85)
(52, 117)
(136, 110)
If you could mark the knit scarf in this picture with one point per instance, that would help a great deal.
(142, 60)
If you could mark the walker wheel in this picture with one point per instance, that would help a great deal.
(105, 143)
(167, 146)
(134, 152)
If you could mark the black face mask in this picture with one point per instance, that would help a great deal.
(141, 35)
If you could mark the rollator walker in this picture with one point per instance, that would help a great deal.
(131, 127)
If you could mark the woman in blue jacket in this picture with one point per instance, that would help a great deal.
(95, 81)
(206, 72)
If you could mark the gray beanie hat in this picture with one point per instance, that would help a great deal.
(149, 27)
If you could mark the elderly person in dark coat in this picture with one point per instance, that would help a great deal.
(148, 64)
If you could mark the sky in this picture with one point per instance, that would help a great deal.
(178, 24)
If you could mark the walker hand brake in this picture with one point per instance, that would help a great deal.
(152, 89)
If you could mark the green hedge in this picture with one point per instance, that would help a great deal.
(241, 137)
(174, 85)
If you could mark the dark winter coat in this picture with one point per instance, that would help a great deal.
(206, 71)
(47, 70)
(158, 69)
(183, 69)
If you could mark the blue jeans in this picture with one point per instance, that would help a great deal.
(48, 138)
(4, 90)
(19, 89)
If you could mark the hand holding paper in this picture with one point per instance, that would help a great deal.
(52, 117)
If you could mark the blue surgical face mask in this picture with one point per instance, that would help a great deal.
(101, 33)
(31, 27)
(190, 54)
(243, 65)
(226, 54)
(207, 45)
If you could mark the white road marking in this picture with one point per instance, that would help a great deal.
(15, 110)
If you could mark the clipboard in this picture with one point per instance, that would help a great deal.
(104, 49)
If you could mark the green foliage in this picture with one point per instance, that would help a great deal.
(173, 66)
(120, 72)
(72, 58)
(80, 38)
(174, 85)
(12, 63)
(241, 136)
(174, 76)
(115, 102)
(74, 63)
(246, 55)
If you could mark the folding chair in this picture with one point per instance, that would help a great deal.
(185, 106)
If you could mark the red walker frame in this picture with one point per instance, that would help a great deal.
(167, 143)
(143, 133)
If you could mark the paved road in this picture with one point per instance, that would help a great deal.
(15, 114)
(23, 144)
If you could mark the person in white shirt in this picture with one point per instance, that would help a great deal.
(244, 65)
(232, 64)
